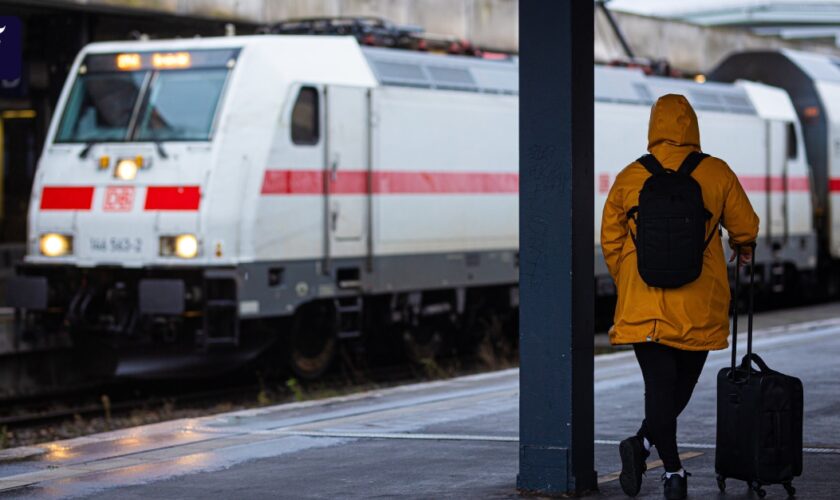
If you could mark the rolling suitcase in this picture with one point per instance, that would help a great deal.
(759, 416)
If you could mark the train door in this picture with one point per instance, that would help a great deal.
(347, 170)
(776, 187)
(776, 181)
(792, 163)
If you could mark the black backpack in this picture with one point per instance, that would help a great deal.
(670, 222)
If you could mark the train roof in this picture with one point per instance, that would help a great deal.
(816, 66)
(341, 60)
(765, 65)
(418, 69)
(771, 103)
(621, 85)
(315, 59)
(632, 86)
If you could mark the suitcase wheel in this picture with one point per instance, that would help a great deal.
(791, 491)
(721, 480)
(756, 487)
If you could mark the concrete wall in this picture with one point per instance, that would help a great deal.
(488, 23)
(491, 24)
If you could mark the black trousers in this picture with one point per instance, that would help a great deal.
(670, 376)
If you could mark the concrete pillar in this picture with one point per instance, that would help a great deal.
(556, 430)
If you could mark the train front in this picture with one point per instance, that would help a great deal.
(118, 246)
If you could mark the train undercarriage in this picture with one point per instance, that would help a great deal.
(190, 321)
(116, 317)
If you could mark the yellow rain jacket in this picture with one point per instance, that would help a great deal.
(695, 316)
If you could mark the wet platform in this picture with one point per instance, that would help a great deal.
(447, 439)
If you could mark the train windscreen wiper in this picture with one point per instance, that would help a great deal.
(160, 150)
(86, 150)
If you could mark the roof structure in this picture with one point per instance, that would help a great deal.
(788, 19)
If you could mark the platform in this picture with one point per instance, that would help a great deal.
(447, 439)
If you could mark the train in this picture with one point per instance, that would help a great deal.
(813, 83)
(223, 195)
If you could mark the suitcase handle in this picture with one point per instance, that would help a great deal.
(749, 310)
(749, 359)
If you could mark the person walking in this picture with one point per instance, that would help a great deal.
(662, 244)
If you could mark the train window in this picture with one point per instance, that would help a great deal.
(99, 107)
(792, 151)
(305, 122)
(181, 105)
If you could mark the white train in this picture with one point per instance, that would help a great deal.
(222, 193)
(813, 82)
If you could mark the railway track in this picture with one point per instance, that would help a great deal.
(99, 407)
(108, 409)
(32, 419)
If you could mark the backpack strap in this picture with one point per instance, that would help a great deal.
(651, 164)
(715, 229)
(691, 161)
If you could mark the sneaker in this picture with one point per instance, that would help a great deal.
(633, 466)
(676, 486)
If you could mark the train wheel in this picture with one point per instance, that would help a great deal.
(312, 341)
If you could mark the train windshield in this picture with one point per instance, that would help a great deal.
(146, 97)
(100, 107)
(181, 105)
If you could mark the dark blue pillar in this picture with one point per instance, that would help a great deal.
(556, 198)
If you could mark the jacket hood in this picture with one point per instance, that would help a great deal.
(673, 121)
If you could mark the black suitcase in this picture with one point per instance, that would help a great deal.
(759, 416)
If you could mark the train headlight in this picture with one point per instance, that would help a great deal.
(55, 245)
(184, 246)
(126, 169)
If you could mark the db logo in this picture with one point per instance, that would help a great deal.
(119, 199)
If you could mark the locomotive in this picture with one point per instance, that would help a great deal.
(219, 195)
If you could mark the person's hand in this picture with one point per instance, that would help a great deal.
(746, 255)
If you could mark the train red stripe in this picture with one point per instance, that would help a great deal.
(355, 182)
(172, 198)
(66, 197)
(750, 183)
(445, 182)
(774, 184)
(291, 182)
(834, 185)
